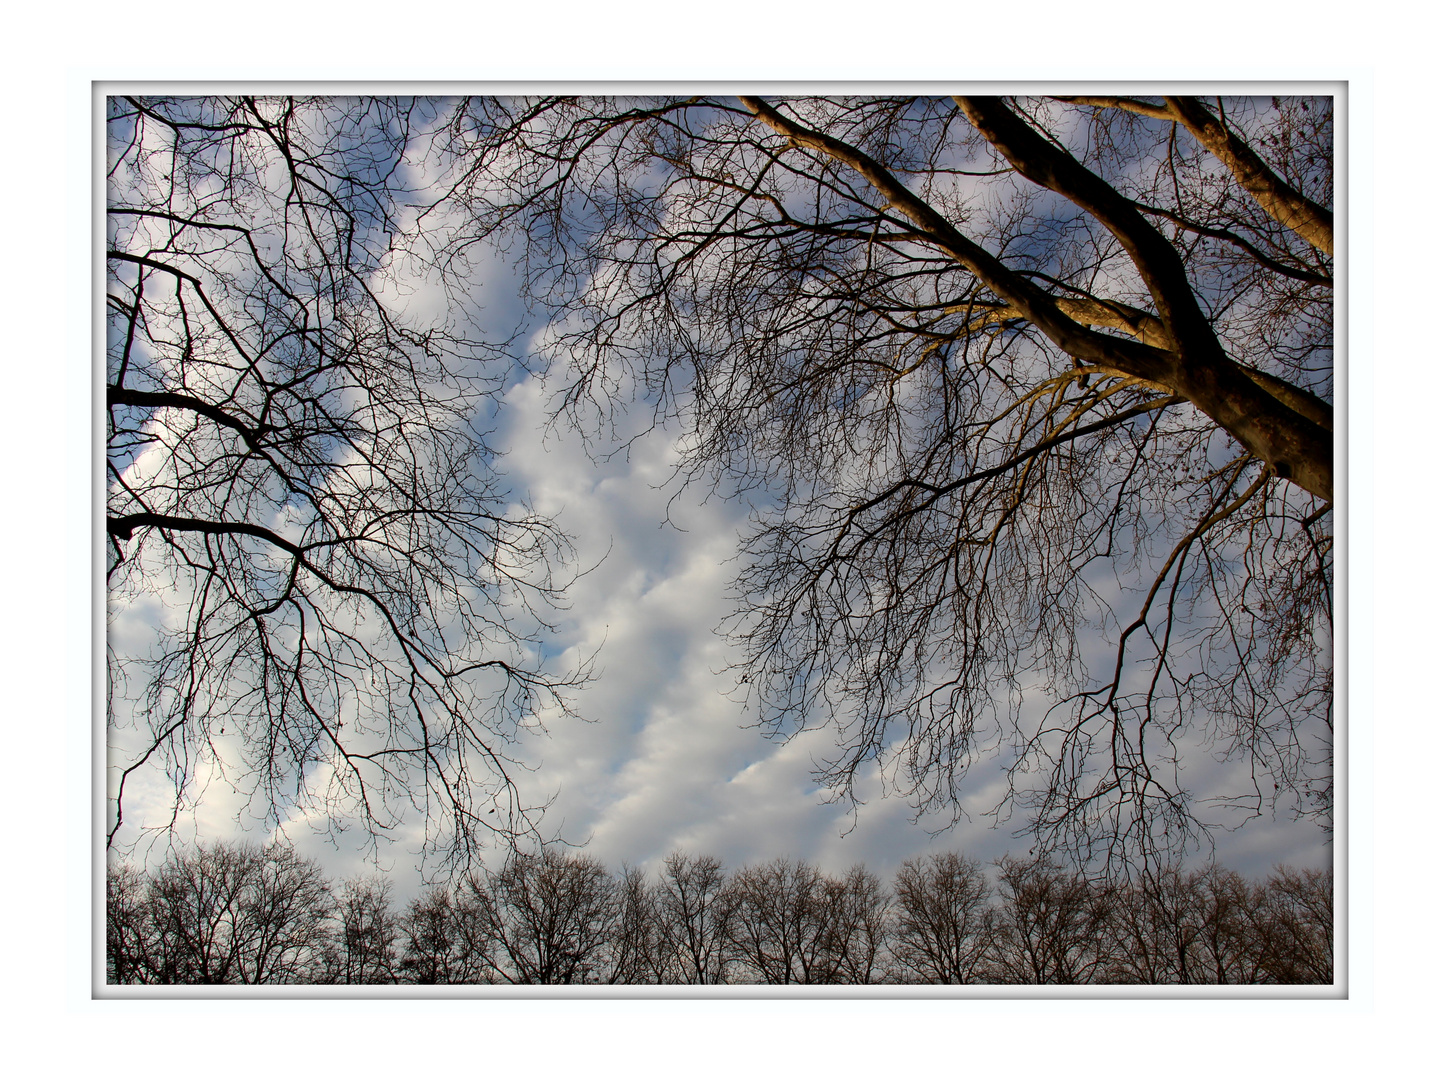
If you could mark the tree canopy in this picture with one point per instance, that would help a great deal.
(225, 914)
(346, 592)
(1033, 398)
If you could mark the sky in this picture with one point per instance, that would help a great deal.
(664, 758)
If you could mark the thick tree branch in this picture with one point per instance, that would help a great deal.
(1311, 221)
(1298, 448)
(1307, 219)
(1141, 325)
(1160, 265)
(164, 399)
(123, 528)
(1130, 105)
(1295, 273)
(1147, 328)
(1104, 351)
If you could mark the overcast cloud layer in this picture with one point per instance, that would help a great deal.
(664, 758)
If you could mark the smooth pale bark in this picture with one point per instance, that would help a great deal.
(1140, 325)
(1134, 105)
(1146, 328)
(1295, 445)
(1108, 353)
(1308, 220)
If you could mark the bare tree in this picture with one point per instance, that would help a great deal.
(127, 926)
(194, 902)
(694, 910)
(222, 914)
(1155, 927)
(942, 921)
(447, 938)
(289, 918)
(1294, 927)
(300, 498)
(1035, 398)
(228, 914)
(1212, 926)
(1225, 947)
(782, 928)
(637, 950)
(369, 931)
(1052, 925)
(551, 917)
(860, 925)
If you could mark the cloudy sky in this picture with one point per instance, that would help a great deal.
(670, 760)
(1391, 605)
(665, 757)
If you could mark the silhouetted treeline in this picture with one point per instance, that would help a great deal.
(240, 914)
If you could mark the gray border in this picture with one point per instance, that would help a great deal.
(100, 990)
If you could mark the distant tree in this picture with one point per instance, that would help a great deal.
(550, 916)
(446, 938)
(859, 907)
(369, 931)
(1225, 949)
(1156, 926)
(194, 903)
(231, 914)
(290, 913)
(1051, 926)
(1294, 926)
(694, 910)
(942, 919)
(1212, 926)
(782, 929)
(128, 950)
(299, 496)
(241, 914)
(636, 953)
(1036, 397)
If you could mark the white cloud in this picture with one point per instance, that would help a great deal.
(669, 761)
(666, 759)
